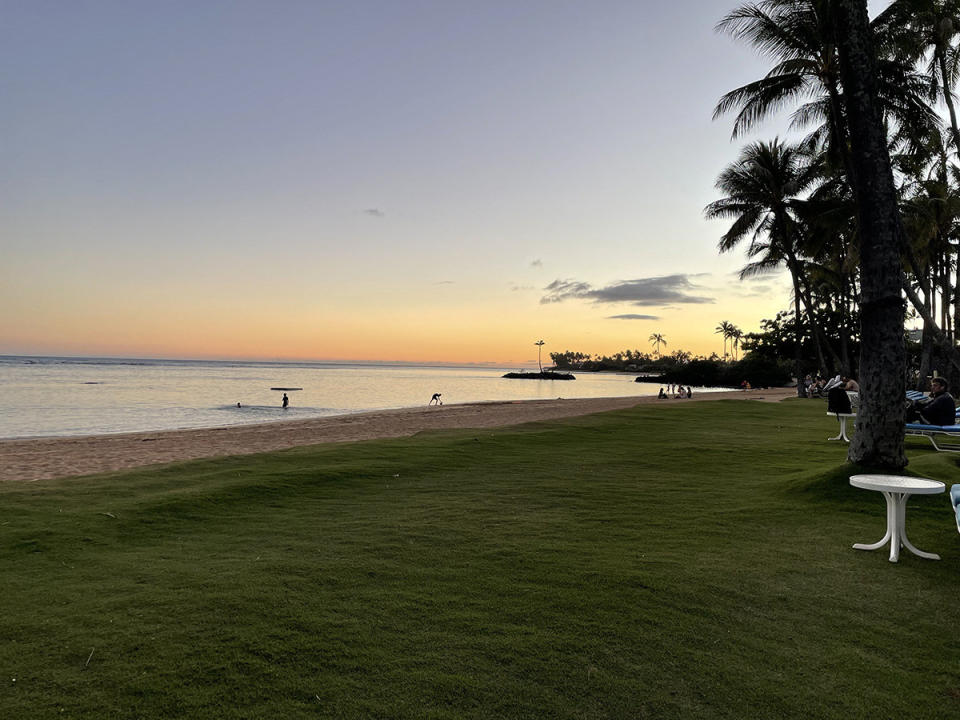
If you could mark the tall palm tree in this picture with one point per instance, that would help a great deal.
(657, 340)
(879, 437)
(761, 193)
(800, 37)
(539, 344)
(724, 329)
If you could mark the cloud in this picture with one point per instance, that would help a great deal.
(518, 288)
(538, 263)
(633, 316)
(444, 282)
(641, 292)
(374, 212)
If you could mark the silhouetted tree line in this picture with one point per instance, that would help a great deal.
(792, 206)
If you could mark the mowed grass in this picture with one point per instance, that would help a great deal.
(664, 562)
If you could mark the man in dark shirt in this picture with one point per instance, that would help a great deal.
(941, 409)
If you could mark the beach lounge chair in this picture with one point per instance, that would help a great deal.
(955, 502)
(932, 431)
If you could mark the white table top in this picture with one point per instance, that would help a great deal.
(898, 483)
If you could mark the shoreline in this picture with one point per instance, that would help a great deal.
(47, 458)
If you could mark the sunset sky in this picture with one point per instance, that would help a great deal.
(398, 180)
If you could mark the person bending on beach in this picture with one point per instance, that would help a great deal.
(435, 400)
(286, 401)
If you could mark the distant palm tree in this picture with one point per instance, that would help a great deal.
(657, 340)
(761, 192)
(724, 329)
(736, 335)
(539, 345)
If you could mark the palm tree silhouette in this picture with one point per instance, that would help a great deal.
(539, 345)
(760, 196)
(724, 329)
(800, 37)
(657, 340)
(736, 335)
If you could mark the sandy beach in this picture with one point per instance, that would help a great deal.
(34, 459)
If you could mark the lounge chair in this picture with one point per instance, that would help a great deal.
(932, 431)
(955, 502)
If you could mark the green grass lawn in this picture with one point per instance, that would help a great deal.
(664, 562)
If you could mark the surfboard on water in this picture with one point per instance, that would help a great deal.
(287, 389)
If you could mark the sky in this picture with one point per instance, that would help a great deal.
(375, 180)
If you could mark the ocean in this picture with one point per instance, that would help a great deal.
(48, 396)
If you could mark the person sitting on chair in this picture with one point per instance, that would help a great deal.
(939, 409)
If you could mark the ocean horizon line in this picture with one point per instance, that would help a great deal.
(123, 359)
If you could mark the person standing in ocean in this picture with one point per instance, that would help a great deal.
(286, 401)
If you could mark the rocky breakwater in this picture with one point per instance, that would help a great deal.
(543, 375)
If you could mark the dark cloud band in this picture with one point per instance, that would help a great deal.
(641, 292)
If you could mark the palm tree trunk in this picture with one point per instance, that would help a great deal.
(879, 437)
(952, 355)
(843, 314)
(816, 331)
(948, 98)
(797, 336)
(839, 130)
(926, 356)
(956, 300)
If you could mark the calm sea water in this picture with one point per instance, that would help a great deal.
(87, 396)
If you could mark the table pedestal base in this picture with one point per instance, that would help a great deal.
(896, 531)
(842, 417)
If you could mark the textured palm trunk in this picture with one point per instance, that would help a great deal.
(948, 97)
(878, 441)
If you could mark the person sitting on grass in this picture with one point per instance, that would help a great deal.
(939, 409)
(662, 395)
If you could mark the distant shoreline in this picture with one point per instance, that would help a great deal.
(35, 459)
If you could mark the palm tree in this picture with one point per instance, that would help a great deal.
(724, 329)
(879, 438)
(735, 335)
(539, 344)
(926, 30)
(657, 340)
(800, 37)
(761, 194)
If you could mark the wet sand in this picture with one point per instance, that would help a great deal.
(35, 459)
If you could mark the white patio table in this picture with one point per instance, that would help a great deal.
(842, 417)
(896, 489)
